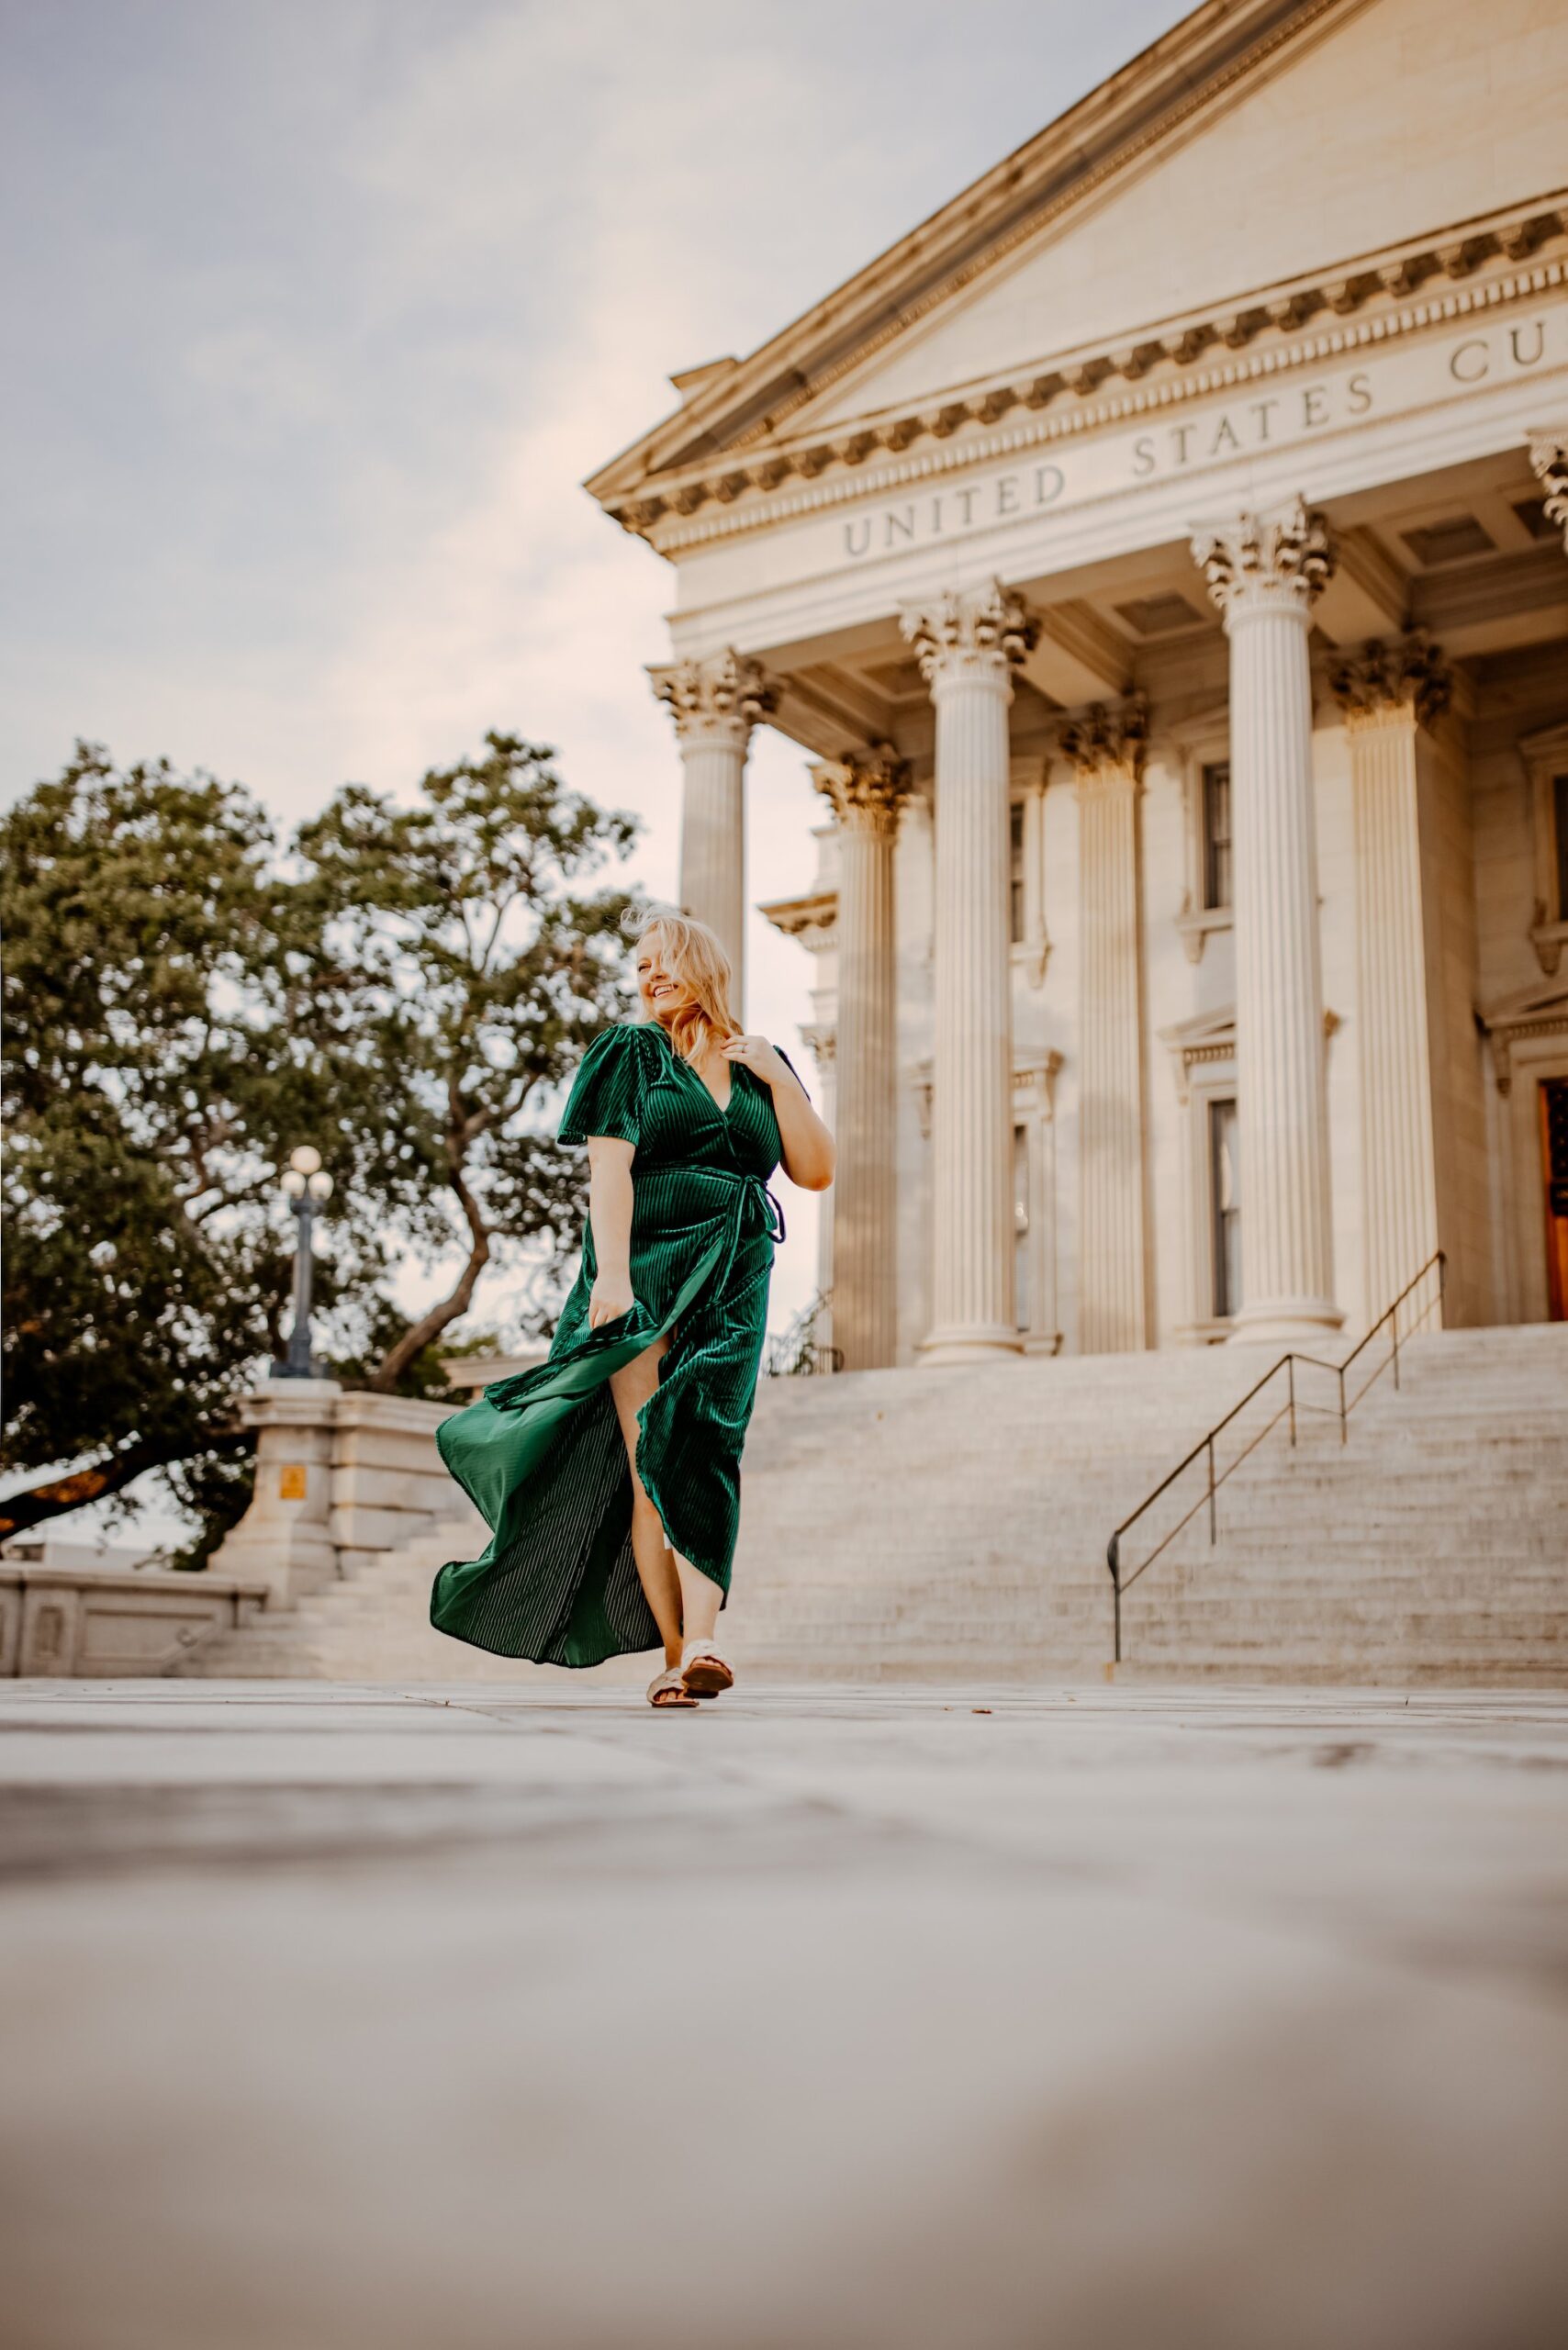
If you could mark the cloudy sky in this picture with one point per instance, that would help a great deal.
(321, 310)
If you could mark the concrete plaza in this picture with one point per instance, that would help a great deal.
(897, 2017)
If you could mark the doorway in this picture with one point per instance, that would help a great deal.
(1554, 1179)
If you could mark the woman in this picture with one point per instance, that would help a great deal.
(609, 1473)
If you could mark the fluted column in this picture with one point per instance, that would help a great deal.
(715, 704)
(1106, 751)
(967, 643)
(1264, 572)
(1388, 695)
(1549, 460)
(867, 792)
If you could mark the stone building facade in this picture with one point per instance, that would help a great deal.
(1162, 557)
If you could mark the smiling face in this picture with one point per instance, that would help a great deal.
(662, 993)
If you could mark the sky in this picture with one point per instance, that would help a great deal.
(319, 314)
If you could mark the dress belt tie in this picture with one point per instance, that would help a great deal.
(753, 1185)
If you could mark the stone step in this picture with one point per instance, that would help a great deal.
(939, 1525)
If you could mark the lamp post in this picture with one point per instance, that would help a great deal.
(306, 1187)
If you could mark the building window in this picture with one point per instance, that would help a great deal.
(1017, 930)
(1225, 1208)
(1021, 1285)
(1560, 826)
(1217, 835)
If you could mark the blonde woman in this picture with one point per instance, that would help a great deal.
(609, 1473)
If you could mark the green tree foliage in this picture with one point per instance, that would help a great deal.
(181, 1011)
(465, 967)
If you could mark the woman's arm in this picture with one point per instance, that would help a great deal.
(610, 1212)
(809, 1156)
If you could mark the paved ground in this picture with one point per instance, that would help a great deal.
(1229, 2021)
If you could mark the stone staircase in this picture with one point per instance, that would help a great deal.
(951, 1526)
(373, 1624)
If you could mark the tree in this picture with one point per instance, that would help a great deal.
(142, 1111)
(180, 1013)
(450, 929)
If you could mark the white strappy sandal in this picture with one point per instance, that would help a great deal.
(703, 1672)
(669, 1688)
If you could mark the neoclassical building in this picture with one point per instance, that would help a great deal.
(1162, 557)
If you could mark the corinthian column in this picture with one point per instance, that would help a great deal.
(867, 792)
(715, 704)
(1263, 571)
(1106, 751)
(967, 645)
(1389, 696)
(1549, 460)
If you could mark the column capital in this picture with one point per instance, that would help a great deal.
(867, 789)
(1276, 561)
(981, 633)
(719, 699)
(1376, 680)
(1107, 741)
(1548, 460)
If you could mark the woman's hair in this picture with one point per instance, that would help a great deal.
(691, 953)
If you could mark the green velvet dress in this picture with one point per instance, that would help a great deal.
(542, 1454)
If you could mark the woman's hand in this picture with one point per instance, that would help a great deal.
(758, 1056)
(609, 1299)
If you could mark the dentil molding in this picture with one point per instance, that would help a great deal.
(1179, 360)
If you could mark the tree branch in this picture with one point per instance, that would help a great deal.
(430, 1326)
(38, 1504)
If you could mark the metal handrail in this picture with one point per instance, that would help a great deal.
(1292, 1404)
(797, 1351)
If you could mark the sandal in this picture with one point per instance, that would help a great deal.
(669, 1688)
(703, 1671)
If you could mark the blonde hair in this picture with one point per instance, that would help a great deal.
(692, 954)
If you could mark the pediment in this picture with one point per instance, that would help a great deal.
(1346, 146)
(1261, 163)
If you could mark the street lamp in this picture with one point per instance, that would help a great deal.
(306, 1187)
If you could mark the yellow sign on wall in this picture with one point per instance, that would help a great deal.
(291, 1480)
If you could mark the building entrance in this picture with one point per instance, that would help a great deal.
(1555, 1171)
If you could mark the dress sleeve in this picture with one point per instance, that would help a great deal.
(793, 1070)
(607, 1093)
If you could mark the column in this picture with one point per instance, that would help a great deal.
(1264, 571)
(1548, 462)
(1390, 695)
(1106, 749)
(824, 1043)
(715, 704)
(967, 643)
(867, 792)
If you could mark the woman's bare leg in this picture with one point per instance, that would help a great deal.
(699, 1597)
(629, 1387)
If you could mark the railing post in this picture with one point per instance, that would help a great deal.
(1289, 1375)
(1343, 1432)
(1212, 1537)
(1113, 1561)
